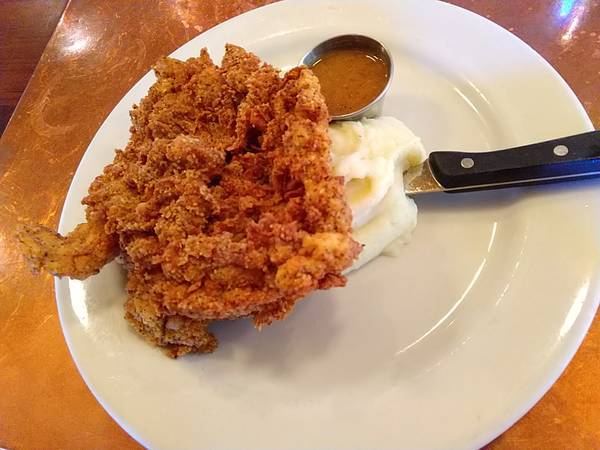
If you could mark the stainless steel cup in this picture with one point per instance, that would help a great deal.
(355, 42)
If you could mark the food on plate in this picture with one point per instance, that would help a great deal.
(372, 156)
(234, 198)
(350, 79)
(224, 203)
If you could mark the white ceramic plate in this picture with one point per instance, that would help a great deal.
(442, 347)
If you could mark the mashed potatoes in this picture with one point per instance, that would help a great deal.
(372, 156)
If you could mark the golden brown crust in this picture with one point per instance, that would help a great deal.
(224, 202)
(175, 334)
(78, 255)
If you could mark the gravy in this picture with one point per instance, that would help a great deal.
(350, 79)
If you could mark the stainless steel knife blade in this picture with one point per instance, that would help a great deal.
(420, 180)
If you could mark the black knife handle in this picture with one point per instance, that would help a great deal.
(556, 160)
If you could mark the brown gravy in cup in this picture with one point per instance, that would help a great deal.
(350, 79)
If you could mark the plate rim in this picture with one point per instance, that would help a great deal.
(568, 350)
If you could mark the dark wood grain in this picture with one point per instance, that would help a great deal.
(25, 28)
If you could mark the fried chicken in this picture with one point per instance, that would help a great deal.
(81, 254)
(223, 203)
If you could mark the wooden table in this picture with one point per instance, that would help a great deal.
(25, 27)
(98, 51)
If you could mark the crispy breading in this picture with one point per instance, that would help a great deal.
(81, 254)
(224, 202)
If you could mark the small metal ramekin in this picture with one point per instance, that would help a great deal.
(355, 41)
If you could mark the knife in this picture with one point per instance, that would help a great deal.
(568, 158)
